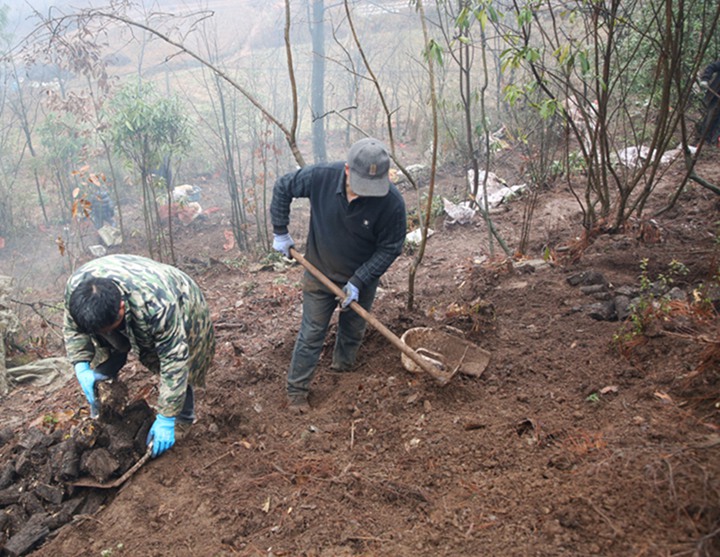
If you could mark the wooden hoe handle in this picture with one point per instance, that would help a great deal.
(441, 377)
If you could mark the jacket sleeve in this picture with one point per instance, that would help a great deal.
(171, 344)
(288, 187)
(389, 247)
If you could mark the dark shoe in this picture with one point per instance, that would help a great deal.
(182, 429)
(338, 369)
(298, 404)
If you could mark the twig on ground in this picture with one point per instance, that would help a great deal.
(609, 522)
(231, 452)
(352, 432)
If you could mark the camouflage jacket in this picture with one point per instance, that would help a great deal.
(167, 322)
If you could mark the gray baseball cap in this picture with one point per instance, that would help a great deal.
(369, 164)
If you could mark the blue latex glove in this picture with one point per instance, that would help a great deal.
(351, 295)
(162, 435)
(86, 377)
(283, 243)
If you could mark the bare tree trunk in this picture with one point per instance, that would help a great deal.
(21, 112)
(417, 260)
(292, 134)
(237, 210)
(317, 100)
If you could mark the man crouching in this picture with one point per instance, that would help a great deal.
(118, 303)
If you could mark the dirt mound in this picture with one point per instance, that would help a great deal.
(44, 480)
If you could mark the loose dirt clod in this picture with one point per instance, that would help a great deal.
(37, 486)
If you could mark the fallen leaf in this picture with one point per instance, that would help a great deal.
(60, 244)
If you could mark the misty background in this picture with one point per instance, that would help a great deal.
(133, 99)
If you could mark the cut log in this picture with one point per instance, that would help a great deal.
(100, 464)
(66, 512)
(31, 503)
(50, 493)
(23, 463)
(6, 434)
(7, 474)
(35, 438)
(112, 397)
(10, 496)
(65, 461)
(30, 535)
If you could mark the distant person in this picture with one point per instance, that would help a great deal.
(118, 303)
(164, 173)
(710, 83)
(357, 230)
(102, 208)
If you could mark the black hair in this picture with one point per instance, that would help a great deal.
(95, 304)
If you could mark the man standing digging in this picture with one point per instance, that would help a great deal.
(118, 303)
(357, 230)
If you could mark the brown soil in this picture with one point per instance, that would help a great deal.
(569, 443)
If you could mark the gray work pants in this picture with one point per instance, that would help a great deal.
(318, 307)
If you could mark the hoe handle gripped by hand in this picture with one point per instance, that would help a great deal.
(442, 378)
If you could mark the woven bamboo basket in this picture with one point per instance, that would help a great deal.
(444, 351)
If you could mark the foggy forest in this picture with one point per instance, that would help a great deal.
(562, 220)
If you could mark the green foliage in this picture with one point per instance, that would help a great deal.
(50, 419)
(664, 281)
(436, 209)
(619, 72)
(63, 138)
(235, 263)
(574, 164)
(482, 12)
(434, 51)
(514, 58)
(637, 46)
(653, 303)
(145, 126)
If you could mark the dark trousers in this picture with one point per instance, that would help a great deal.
(318, 307)
(111, 367)
(710, 126)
